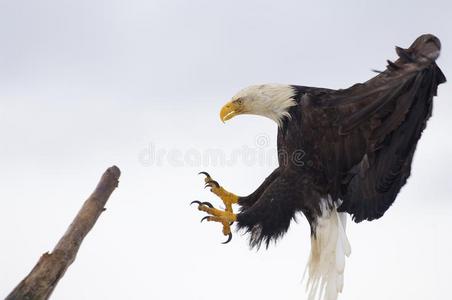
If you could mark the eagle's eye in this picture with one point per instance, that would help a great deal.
(239, 101)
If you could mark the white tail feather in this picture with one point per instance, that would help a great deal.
(329, 247)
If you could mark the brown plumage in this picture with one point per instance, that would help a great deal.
(357, 145)
(340, 151)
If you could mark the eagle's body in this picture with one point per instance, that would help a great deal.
(340, 151)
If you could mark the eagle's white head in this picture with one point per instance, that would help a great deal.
(269, 100)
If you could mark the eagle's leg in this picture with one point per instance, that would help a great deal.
(226, 218)
(228, 198)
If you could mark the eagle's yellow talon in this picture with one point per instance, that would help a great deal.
(225, 217)
(228, 198)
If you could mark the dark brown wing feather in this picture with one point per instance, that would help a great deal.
(367, 145)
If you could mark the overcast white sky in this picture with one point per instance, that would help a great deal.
(88, 84)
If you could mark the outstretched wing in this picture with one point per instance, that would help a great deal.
(374, 128)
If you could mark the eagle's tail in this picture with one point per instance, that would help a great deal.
(329, 247)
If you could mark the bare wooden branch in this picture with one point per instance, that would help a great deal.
(41, 281)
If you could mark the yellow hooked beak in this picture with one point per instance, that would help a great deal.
(230, 110)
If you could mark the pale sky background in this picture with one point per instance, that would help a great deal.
(88, 84)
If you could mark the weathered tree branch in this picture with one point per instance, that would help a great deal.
(41, 281)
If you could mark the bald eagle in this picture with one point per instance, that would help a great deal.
(357, 144)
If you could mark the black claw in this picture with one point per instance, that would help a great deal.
(196, 201)
(202, 203)
(210, 182)
(205, 218)
(204, 173)
(232, 223)
(229, 239)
